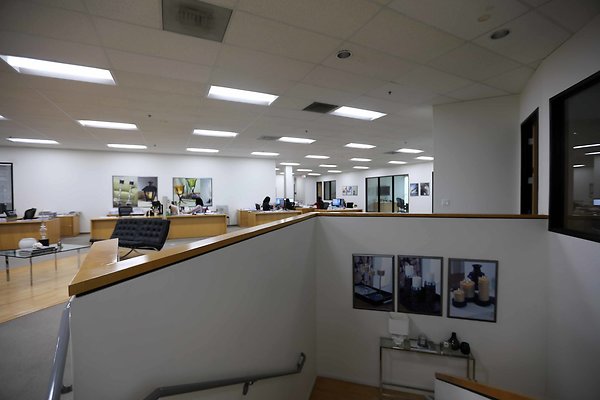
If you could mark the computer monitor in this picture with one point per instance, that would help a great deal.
(279, 202)
(596, 202)
(2, 208)
(125, 210)
(29, 214)
(337, 202)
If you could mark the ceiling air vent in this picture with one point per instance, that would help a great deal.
(269, 138)
(195, 18)
(321, 108)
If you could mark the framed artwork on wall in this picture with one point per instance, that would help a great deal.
(373, 282)
(6, 187)
(424, 189)
(420, 285)
(135, 191)
(414, 189)
(472, 289)
(187, 190)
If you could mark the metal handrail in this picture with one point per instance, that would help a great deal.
(55, 386)
(247, 381)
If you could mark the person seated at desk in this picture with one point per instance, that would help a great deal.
(265, 204)
(199, 207)
(320, 204)
(288, 205)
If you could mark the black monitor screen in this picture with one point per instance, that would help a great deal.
(336, 202)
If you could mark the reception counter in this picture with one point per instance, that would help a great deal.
(247, 218)
(182, 226)
(13, 231)
(305, 210)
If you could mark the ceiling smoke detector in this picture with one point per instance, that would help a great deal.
(499, 34)
(343, 54)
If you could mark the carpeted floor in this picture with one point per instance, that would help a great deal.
(26, 351)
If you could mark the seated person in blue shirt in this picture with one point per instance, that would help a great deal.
(199, 207)
(265, 204)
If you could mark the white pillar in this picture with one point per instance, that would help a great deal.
(288, 182)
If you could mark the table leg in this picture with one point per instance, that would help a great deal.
(55, 263)
(30, 271)
(7, 270)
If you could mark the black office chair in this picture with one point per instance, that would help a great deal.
(325, 205)
(125, 210)
(29, 214)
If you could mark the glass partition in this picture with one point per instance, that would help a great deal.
(401, 193)
(372, 194)
(387, 193)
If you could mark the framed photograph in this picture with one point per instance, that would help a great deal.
(6, 187)
(373, 282)
(187, 190)
(420, 285)
(425, 189)
(135, 191)
(414, 189)
(472, 289)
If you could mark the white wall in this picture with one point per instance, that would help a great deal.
(243, 310)
(574, 312)
(419, 172)
(66, 180)
(510, 353)
(476, 156)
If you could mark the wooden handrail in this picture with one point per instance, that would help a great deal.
(481, 389)
(101, 269)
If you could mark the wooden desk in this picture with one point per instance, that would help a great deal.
(305, 210)
(243, 218)
(69, 225)
(253, 218)
(13, 231)
(182, 226)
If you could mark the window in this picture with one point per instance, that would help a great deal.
(387, 193)
(575, 160)
(329, 190)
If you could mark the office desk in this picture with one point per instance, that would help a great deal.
(69, 225)
(305, 210)
(182, 226)
(13, 231)
(248, 218)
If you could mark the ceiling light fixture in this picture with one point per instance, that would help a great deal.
(409, 151)
(360, 167)
(583, 146)
(2, 118)
(288, 139)
(108, 125)
(335, 171)
(304, 170)
(358, 113)
(424, 158)
(264, 153)
(32, 141)
(31, 66)
(593, 153)
(127, 146)
(359, 146)
(293, 164)
(360, 159)
(343, 54)
(313, 174)
(396, 162)
(578, 165)
(328, 166)
(317, 157)
(199, 150)
(242, 96)
(207, 132)
(499, 34)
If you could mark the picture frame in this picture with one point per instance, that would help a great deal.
(420, 285)
(472, 289)
(186, 190)
(414, 189)
(373, 277)
(135, 191)
(425, 189)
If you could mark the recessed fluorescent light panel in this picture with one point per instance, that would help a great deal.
(32, 141)
(222, 134)
(593, 153)
(409, 151)
(317, 157)
(127, 146)
(328, 165)
(313, 174)
(396, 162)
(583, 146)
(360, 167)
(264, 153)
(108, 125)
(296, 140)
(335, 171)
(578, 165)
(359, 146)
(289, 163)
(358, 113)
(360, 159)
(424, 158)
(198, 150)
(304, 170)
(242, 96)
(31, 66)
(1, 118)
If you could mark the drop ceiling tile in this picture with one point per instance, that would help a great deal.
(512, 81)
(369, 62)
(154, 42)
(532, 37)
(473, 62)
(51, 22)
(460, 17)
(377, 104)
(137, 12)
(257, 63)
(340, 80)
(396, 34)
(23, 45)
(324, 95)
(245, 81)
(535, 3)
(159, 84)
(74, 5)
(433, 80)
(402, 93)
(166, 68)
(476, 91)
(246, 30)
(571, 14)
(337, 18)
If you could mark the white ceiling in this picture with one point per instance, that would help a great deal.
(407, 56)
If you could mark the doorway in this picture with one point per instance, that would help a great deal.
(529, 164)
